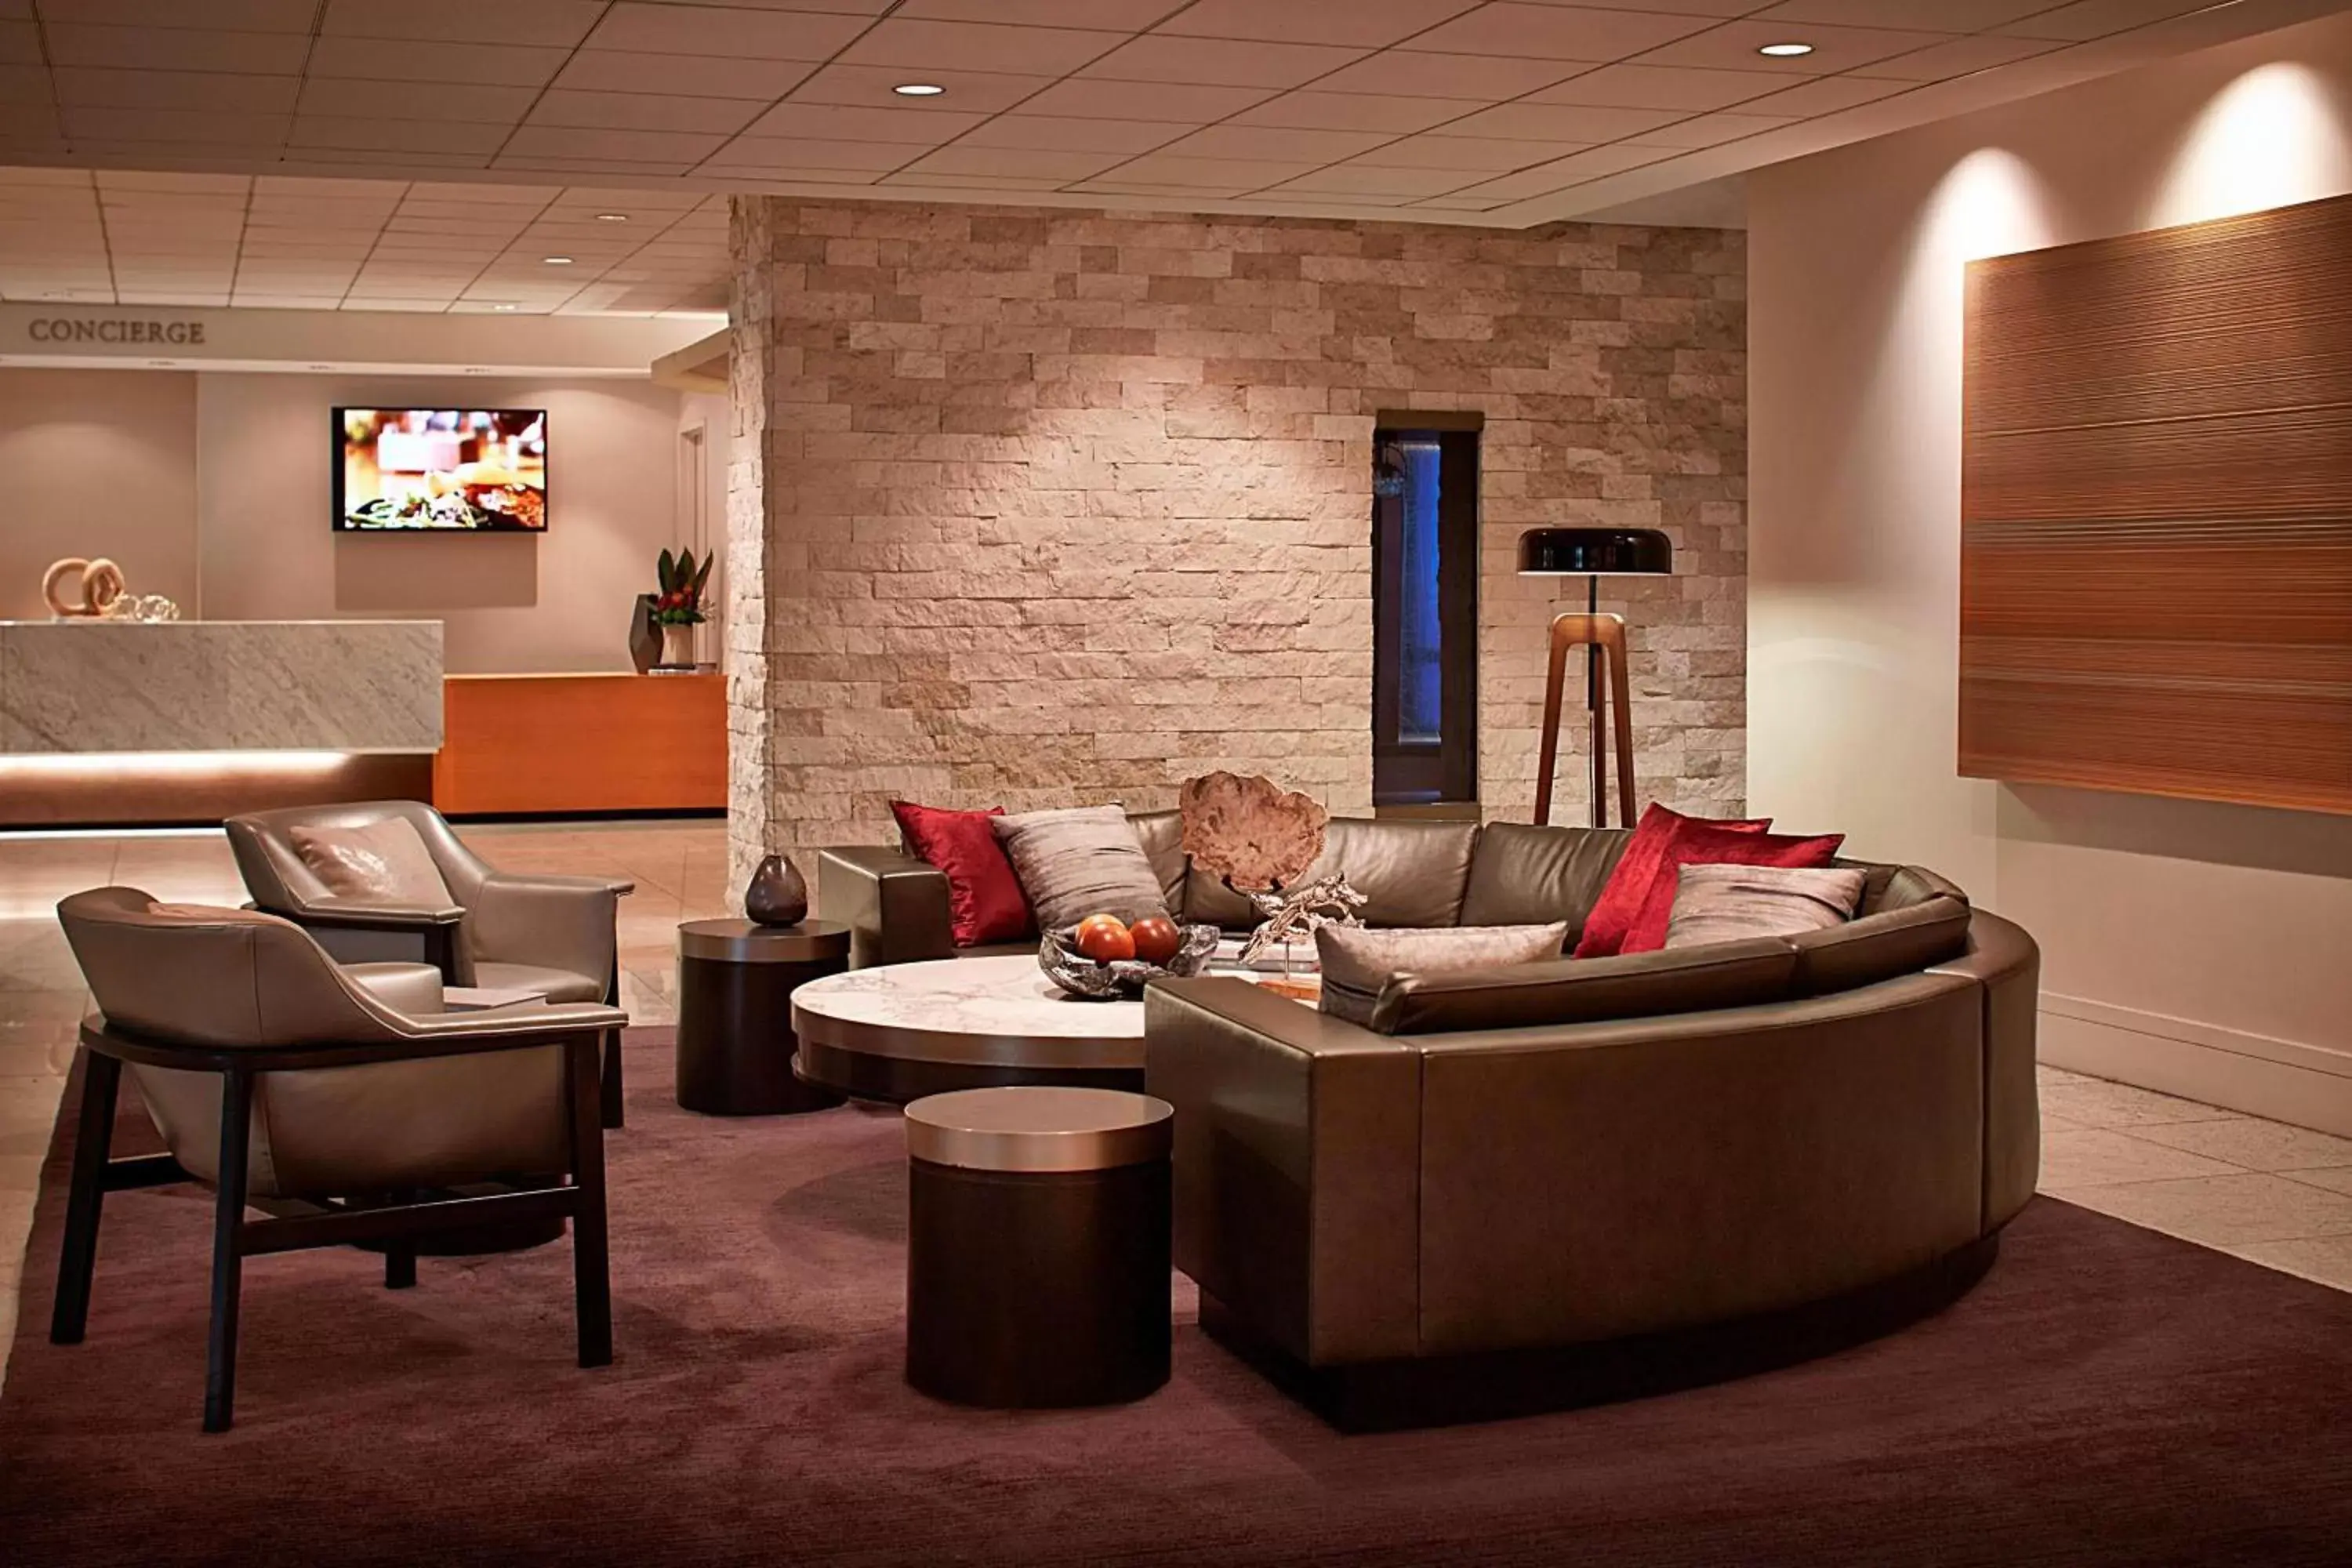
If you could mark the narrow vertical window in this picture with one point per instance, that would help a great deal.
(1425, 610)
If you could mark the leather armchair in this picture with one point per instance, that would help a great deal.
(277, 1077)
(553, 936)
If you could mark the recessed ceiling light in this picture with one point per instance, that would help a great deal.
(918, 90)
(612, 218)
(1786, 51)
(503, 307)
(557, 261)
(322, 367)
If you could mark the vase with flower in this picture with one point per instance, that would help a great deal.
(677, 605)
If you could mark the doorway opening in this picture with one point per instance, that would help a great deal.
(1425, 612)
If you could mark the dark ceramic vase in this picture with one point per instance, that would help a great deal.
(644, 637)
(777, 896)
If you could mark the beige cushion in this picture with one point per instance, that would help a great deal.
(381, 862)
(1358, 962)
(1736, 903)
(1080, 862)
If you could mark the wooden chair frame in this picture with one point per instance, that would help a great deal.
(235, 1238)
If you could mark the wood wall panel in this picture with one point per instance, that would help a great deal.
(528, 744)
(2156, 512)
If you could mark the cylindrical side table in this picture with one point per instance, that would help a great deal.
(735, 1042)
(1038, 1265)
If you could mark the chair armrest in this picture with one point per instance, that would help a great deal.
(351, 914)
(894, 906)
(553, 923)
(619, 887)
(517, 1023)
(1298, 1165)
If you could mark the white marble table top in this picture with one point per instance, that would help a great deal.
(968, 1009)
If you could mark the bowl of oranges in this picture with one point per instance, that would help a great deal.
(1103, 958)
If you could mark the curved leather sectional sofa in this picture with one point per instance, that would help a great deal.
(1576, 1153)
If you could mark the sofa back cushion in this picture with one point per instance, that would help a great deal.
(1410, 874)
(1161, 834)
(1870, 948)
(1587, 990)
(1358, 962)
(1732, 904)
(1080, 861)
(1531, 876)
(1908, 886)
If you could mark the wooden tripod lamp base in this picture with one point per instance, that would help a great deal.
(1606, 636)
(1593, 553)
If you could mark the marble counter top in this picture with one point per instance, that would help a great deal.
(79, 687)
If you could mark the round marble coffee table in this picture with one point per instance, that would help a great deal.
(905, 1030)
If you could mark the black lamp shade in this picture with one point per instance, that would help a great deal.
(1595, 553)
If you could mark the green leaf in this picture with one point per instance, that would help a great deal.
(667, 571)
(703, 576)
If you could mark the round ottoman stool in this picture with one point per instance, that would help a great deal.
(1037, 1268)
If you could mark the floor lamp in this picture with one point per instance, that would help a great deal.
(1592, 553)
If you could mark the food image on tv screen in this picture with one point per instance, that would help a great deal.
(442, 470)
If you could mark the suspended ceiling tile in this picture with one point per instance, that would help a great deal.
(1396, 116)
(693, 75)
(1416, 73)
(1219, 62)
(640, 29)
(546, 22)
(1661, 87)
(1371, 23)
(1192, 103)
(424, 61)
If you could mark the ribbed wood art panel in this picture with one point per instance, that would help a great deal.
(2156, 512)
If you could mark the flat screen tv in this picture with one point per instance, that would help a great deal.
(441, 470)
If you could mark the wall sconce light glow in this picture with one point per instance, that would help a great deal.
(1786, 51)
(2268, 139)
(170, 764)
(918, 90)
(1989, 205)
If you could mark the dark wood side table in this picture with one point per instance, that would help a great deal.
(735, 1042)
(1037, 1246)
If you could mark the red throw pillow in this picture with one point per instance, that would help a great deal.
(984, 899)
(1628, 887)
(1705, 845)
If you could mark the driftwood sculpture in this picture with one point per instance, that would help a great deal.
(1259, 839)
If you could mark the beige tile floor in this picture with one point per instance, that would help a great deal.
(2279, 1196)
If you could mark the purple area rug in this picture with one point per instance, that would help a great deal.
(2106, 1395)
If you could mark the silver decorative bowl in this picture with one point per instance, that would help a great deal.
(1074, 971)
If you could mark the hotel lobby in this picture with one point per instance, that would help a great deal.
(1175, 781)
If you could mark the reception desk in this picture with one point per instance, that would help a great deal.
(589, 745)
(115, 722)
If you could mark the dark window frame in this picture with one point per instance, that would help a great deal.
(1446, 770)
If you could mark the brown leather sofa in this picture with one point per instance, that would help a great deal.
(1518, 1163)
(288, 1082)
(1522, 1176)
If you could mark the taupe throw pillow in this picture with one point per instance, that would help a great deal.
(1359, 961)
(1083, 861)
(381, 862)
(1732, 904)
